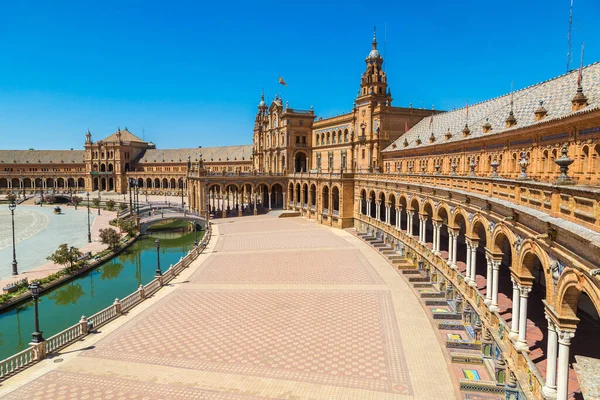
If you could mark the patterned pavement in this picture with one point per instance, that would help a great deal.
(270, 313)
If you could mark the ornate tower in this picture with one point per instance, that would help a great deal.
(373, 83)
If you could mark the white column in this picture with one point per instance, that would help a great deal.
(488, 282)
(514, 328)
(454, 250)
(285, 206)
(387, 214)
(436, 238)
(562, 382)
(377, 210)
(422, 229)
(360, 206)
(549, 389)
(468, 261)
(522, 342)
(450, 246)
(495, 272)
(399, 218)
(473, 263)
(269, 201)
(409, 225)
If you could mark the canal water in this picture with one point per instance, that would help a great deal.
(63, 306)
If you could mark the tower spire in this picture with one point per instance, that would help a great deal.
(374, 37)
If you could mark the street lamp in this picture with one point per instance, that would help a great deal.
(88, 214)
(158, 271)
(99, 199)
(130, 202)
(36, 289)
(12, 207)
(41, 192)
(195, 235)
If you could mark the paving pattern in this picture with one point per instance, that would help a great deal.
(271, 313)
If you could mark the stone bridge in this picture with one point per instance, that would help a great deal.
(149, 218)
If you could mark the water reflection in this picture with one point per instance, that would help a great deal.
(87, 294)
(111, 271)
(69, 293)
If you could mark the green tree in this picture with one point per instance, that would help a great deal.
(128, 226)
(75, 200)
(122, 206)
(66, 256)
(96, 202)
(110, 237)
(110, 205)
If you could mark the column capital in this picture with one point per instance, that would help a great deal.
(524, 290)
(551, 323)
(565, 336)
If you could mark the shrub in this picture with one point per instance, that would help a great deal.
(110, 237)
(110, 205)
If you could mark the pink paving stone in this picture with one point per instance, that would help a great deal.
(316, 238)
(341, 338)
(344, 266)
(68, 385)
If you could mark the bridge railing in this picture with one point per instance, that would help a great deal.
(37, 352)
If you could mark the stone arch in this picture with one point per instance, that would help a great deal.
(568, 290)
(500, 233)
(454, 217)
(325, 197)
(414, 200)
(428, 208)
(524, 267)
(473, 231)
(442, 211)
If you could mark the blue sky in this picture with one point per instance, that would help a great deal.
(190, 73)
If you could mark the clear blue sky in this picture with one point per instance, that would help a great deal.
(190, 73)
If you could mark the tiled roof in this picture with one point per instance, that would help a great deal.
(126, 136)
(42, 156)
(214, 154)
(556, 94)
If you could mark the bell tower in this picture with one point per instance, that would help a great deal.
(373, 83)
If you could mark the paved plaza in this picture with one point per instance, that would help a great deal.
(278, 308)
(39, 232)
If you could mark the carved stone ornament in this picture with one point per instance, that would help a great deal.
(518, 243)
(491, 226)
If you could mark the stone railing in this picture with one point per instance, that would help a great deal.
(38, 351)
(17, 362)
(528, 374)
(576, 203)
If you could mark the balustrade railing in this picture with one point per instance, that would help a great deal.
(103, 316)
(63, 338)
(37, 352)
(16, 362)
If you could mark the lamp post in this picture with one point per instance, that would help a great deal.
(41, 192)
(36, 289)
(158, 271)
(130, 202)
(182, 203)
(88, 215)
(12, 207)
(99, 198)
(195, 234)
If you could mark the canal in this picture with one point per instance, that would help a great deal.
(63, 306)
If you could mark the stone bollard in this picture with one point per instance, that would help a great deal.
(117, 305)
(83, 322)
(142, 292)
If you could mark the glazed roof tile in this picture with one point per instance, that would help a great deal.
(126, 136)
(556, 94)
(42, 156)
(214, 154)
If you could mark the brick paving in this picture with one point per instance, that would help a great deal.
(269, 313)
